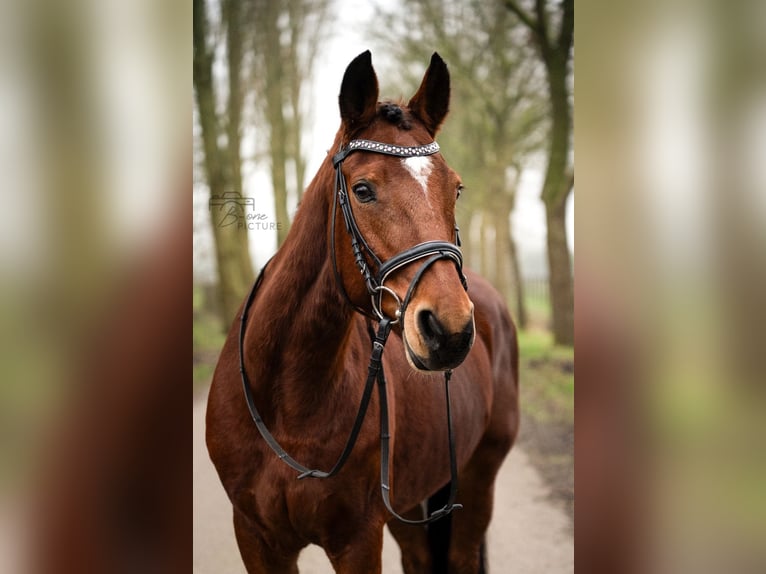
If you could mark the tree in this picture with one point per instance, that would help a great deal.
(235, 272)
(232, 18)
(555, 50)
(497, 121)
(284, 44)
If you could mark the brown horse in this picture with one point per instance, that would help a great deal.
(306, 347)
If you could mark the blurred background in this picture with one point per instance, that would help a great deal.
(95, 267)
(98, 158)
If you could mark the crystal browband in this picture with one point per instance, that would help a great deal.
(379, 147)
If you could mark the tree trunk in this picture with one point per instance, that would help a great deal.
(300, 163)
(234, 276)
(560, 270)
(502, 238)
(516, 290)
(470, 235)
(556, 189)
(294, 84)
(278, 160)
(233, 16)
(555, 54)
(275, 91)
(485, 229)
(522, 319)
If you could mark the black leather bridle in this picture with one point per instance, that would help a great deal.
(431, 251)
(376, 283)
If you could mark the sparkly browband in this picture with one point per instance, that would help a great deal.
(389, 149)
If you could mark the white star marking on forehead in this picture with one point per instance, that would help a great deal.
(419, 167)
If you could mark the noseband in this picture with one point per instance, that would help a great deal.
(431, 251)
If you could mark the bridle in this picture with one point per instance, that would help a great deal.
(376, 283)
(431, 251)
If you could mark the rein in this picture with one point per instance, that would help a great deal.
(431, 251)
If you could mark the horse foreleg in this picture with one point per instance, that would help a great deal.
(259, 556)
(362, 554)
(469, 525)
(413, 542)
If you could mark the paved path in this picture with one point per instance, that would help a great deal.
(528, 534)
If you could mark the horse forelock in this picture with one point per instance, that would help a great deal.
(391, 113)
(395, 114)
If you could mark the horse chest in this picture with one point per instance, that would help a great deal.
(310, 508)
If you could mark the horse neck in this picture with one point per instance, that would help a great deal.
(300, 325)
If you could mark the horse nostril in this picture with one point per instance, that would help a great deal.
(430, 326)
(444, 348)
(466, 335)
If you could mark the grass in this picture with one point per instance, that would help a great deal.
(207, 339)
(547, 411)
(538, 310)
(546, 369)
(547, 377)
(537, 344)
(208, 334)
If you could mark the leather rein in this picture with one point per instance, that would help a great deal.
(431, 251)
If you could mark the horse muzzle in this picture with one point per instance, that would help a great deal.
(437, 347)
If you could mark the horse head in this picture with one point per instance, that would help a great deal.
(401, 206)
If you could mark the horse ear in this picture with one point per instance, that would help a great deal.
(358, 93)
(431, 102)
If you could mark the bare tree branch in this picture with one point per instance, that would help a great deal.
(542, 26)
(566, 34)
(523, 16)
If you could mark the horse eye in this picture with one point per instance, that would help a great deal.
(460, 189)
(364, 192)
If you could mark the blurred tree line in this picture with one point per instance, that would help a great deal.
(552, 31)
(511, 73)
(511, 70)
(265, 50)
